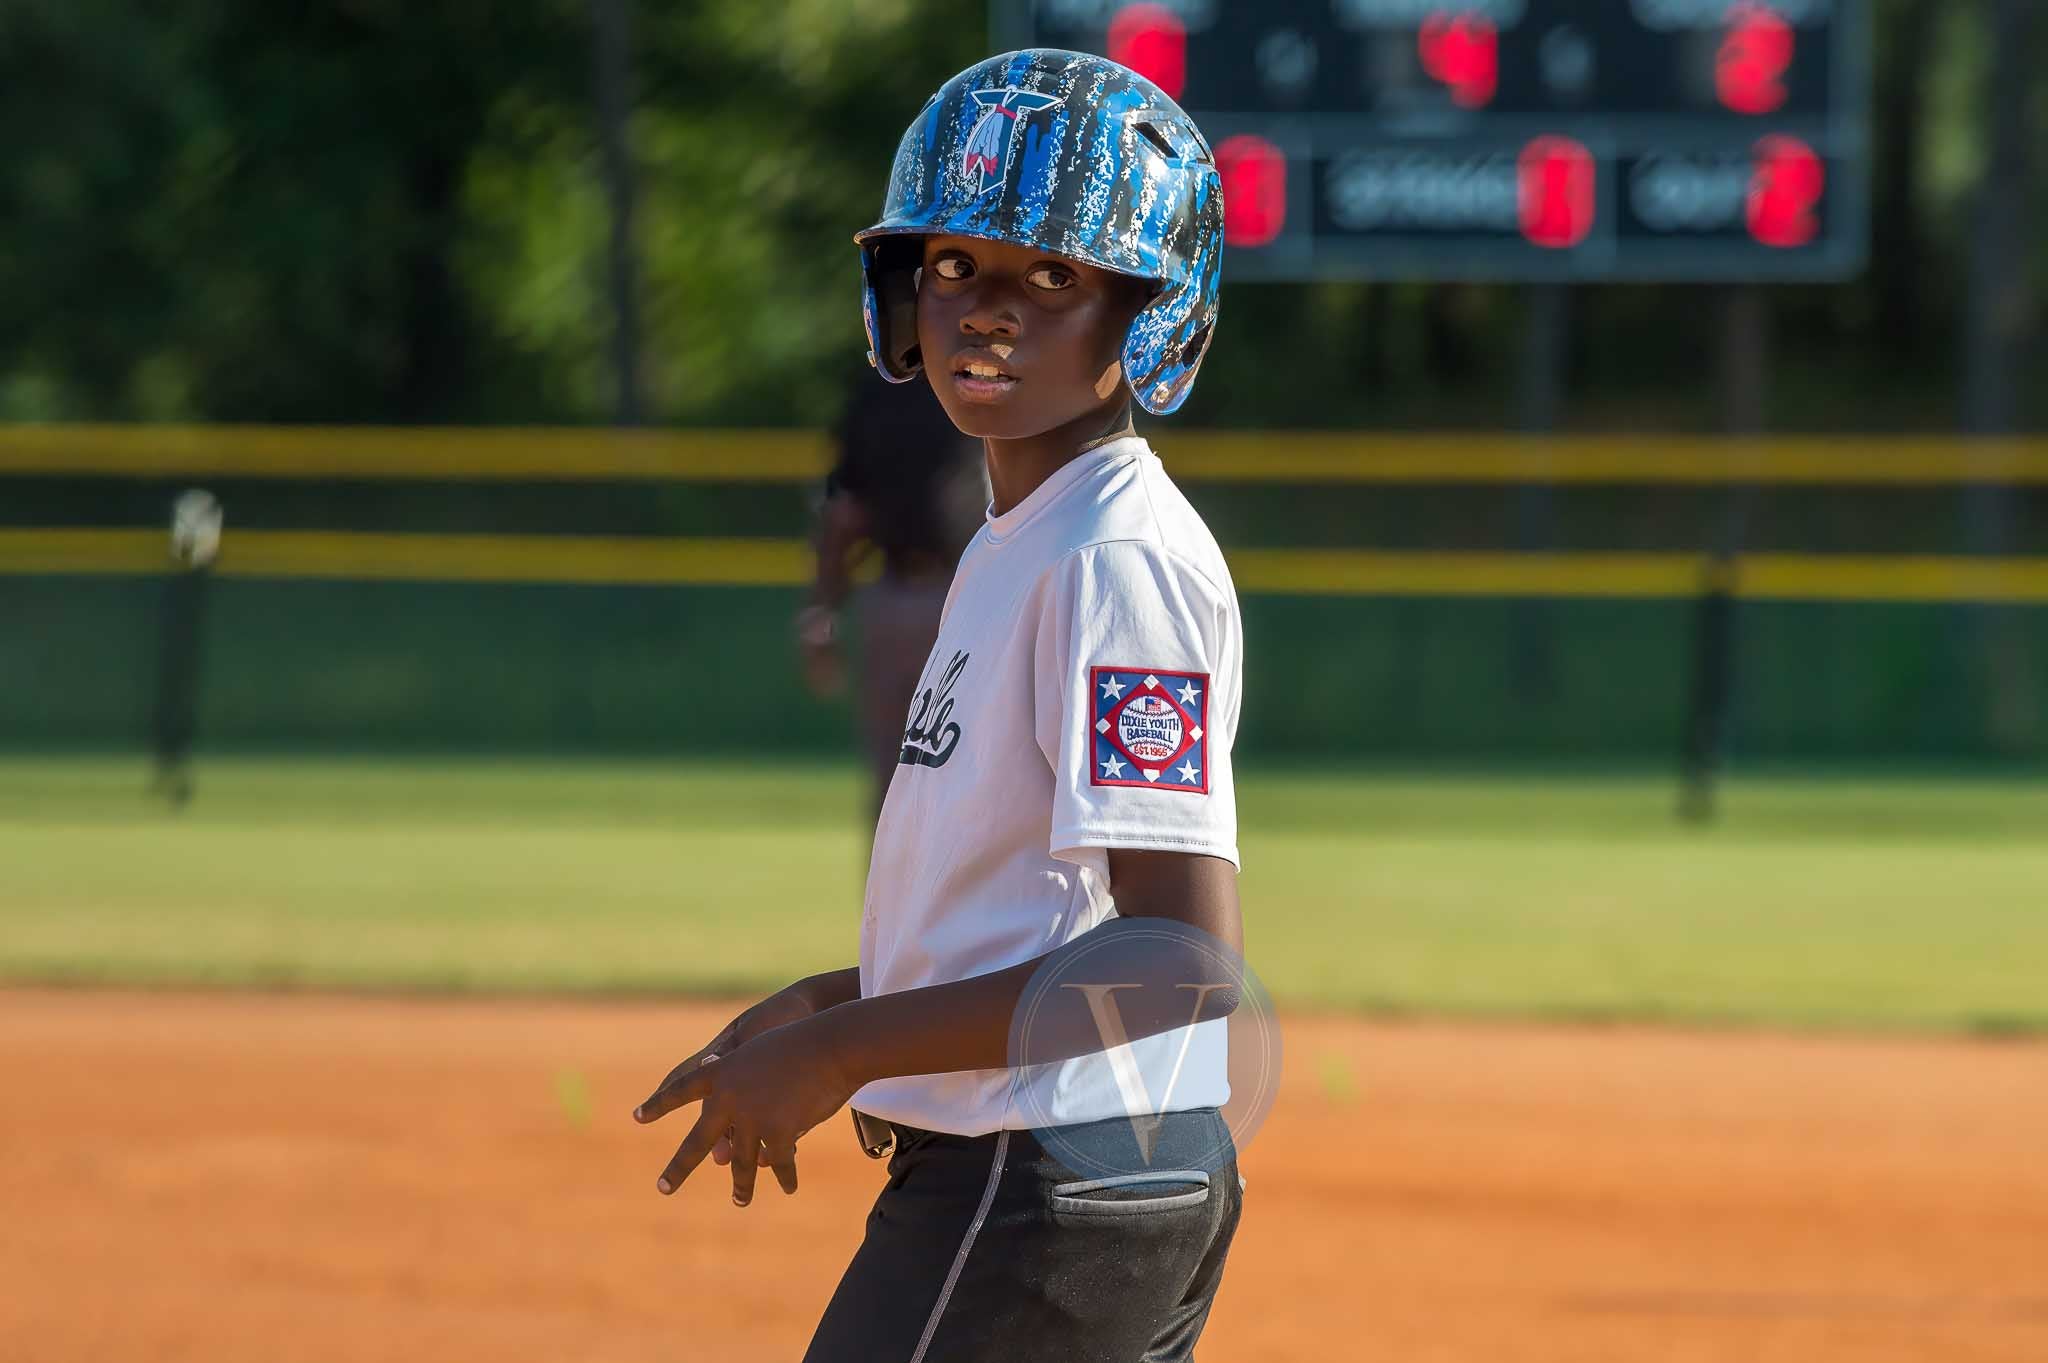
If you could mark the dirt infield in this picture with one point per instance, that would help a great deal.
(227, 1178)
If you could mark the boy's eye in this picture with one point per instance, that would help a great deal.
(952, 267)
(1050, 277)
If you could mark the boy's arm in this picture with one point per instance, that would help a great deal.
(829, 989)
(790, 1004)
(767, 1093)
(965, 1025)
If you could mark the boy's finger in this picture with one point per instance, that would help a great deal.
(721, 1153)
(691, 1152)
(746, 1152)
(783, 1162)
(711, 1051)
(679, 1088)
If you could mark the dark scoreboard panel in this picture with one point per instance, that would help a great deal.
(1511, 139)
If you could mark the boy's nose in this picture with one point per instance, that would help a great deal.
(983, 324)
(993, 318)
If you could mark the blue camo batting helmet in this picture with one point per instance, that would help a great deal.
(1070, 154)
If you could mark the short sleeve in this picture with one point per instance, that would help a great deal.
(1137, 668)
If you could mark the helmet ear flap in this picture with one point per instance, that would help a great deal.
(1165, 347)
(892, 266)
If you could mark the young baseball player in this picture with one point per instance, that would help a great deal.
(1049, 249)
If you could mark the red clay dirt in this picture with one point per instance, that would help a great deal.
(229, 1178)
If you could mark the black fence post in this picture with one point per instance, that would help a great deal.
(1713, 682)
(195, 542)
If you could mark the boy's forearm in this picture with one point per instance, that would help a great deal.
(962, 1025)
(832, 988)
(966, 1024)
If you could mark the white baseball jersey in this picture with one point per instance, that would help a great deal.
(1082, 695)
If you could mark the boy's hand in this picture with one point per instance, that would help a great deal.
(785, 1006)
(766, 1094)
(790, 1004)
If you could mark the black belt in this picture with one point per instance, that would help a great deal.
(874, 1134)
(877, 1135)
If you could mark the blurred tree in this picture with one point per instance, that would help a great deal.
(2002, 315)
(613, 20)
(2002, 309)
(81, 124)
(248, 210)
(374, 210)
(1899, 241)
(771, 133)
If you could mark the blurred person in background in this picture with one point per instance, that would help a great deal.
(908, 485)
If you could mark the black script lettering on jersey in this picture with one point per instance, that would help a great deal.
(931, 738)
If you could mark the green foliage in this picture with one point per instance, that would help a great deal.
(244, 211)
(764, 135)
(386, 211)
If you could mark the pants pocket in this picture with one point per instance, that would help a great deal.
(1156, 1190)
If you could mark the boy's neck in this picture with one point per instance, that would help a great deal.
(1017, 467)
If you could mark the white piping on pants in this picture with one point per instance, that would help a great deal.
(988, 1196)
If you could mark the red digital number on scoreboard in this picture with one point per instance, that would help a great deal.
(1254, 175)
(1462, 51)
(1152, 41)
(1749, 69)
(1556, 182)
(1784, 191)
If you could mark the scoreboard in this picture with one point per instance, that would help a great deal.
(1541, 140)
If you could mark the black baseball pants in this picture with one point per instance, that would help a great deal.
(993, 1249)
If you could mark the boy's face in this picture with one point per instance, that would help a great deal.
(1018, 342)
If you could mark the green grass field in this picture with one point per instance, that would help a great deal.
(1825, 902)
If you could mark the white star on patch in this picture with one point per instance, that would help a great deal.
(1188, 692)
(1113, 768)
(1189, 771)
(1112, 689)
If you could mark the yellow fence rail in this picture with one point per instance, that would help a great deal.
(794, 456)
(787, 563)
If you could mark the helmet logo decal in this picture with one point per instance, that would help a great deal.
(987, 155)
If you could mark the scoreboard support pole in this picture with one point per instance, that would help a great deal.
(1545, 361)
(1745, 345)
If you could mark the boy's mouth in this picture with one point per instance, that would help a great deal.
(979, 374)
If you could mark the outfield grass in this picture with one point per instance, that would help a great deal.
(1853, 903)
